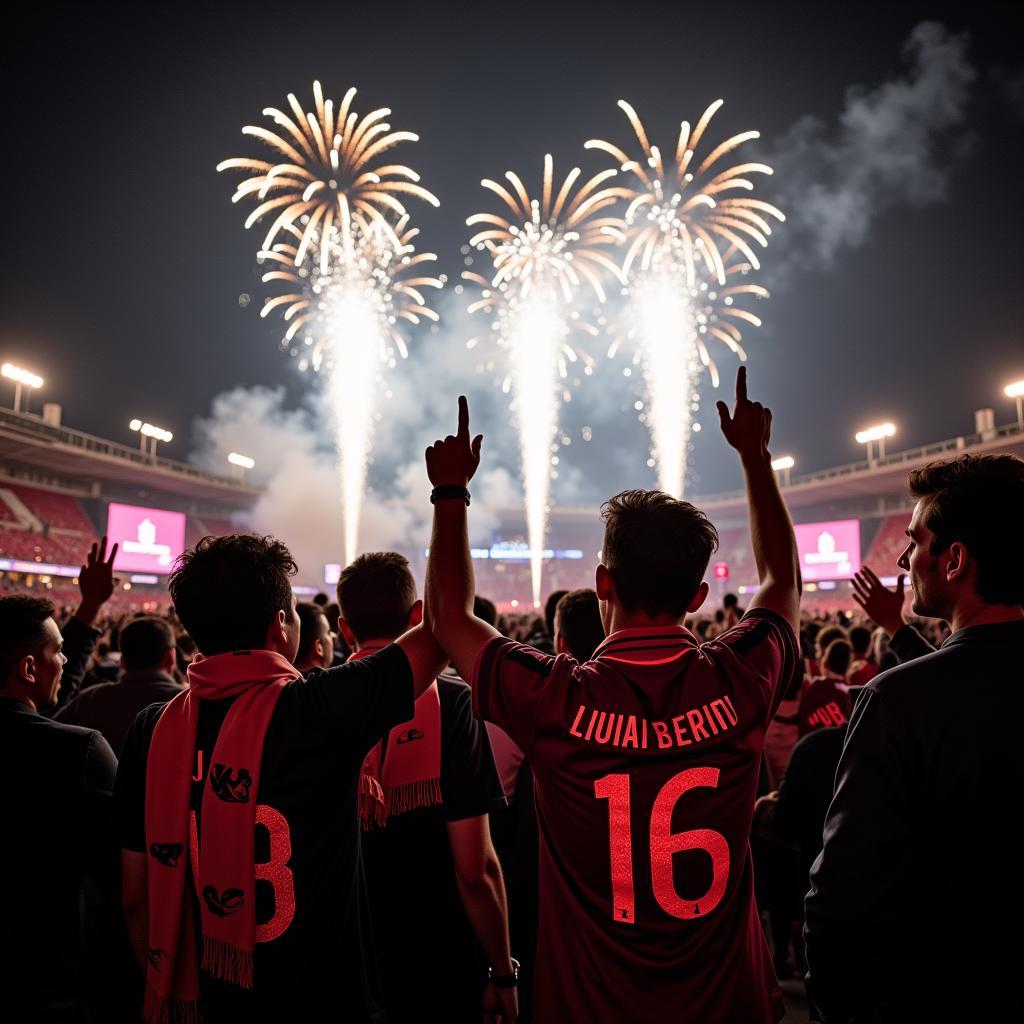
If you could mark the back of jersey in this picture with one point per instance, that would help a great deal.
(646, 761)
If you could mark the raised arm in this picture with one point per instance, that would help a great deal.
(451, 464)
(749, 430)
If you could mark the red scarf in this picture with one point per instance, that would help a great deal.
(403, 771)
(226, 871)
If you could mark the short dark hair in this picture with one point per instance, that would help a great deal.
(310, 617)
(860, 639)
(837, 656)
(657, 549)
(228, 590)
(145, 641)
(827, 634)
(578, 621)
(549, 610)
(483, 608)
(321, 600)
(21, 629)
(376, 593)
(979, 501)
(730, 601)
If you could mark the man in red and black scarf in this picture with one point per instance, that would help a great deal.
(237, 804)
(433, 877)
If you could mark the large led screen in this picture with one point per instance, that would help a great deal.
(828, 551)
(148, 539)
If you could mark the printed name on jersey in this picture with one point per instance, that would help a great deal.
(610, 728)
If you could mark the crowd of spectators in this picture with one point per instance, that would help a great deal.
(247, 808)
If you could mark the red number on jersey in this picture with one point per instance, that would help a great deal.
(664, 844)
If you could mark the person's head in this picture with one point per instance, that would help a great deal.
(964, 534)
(31, 656)
(185, 651)
(484, 609)
(550, 605)
(377, 595)
(321, 600)
(316, 644)
(860, 641)
(826, 636)
(578, 629)
(730, 601)
(655, 553)
(837, 657)
(147, 643)
(879, 645)
(234, 594)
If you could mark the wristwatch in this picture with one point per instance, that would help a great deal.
(505, 980)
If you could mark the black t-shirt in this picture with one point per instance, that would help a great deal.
(313, 959)
(429, 956)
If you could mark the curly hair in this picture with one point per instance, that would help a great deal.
(228, 590)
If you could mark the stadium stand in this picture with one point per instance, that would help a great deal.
(888, 544)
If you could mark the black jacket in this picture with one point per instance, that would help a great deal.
(915, 898)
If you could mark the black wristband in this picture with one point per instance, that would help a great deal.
(446, 491)
(505, 980)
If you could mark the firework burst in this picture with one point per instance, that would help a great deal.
(688, 243)
(543, 252)
(327, 165)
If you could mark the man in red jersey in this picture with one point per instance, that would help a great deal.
(646, 757)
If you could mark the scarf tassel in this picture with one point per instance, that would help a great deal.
(160, 1010)
(410, 795)
(228, 962)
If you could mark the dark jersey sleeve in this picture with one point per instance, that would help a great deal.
(129, 824)
(98, 771)
(859, 881)
(469, 779)
(358, 702)
(509, 684)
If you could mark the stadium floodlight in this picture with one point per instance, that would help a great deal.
(242, 461)
(877, 433)
(1014, 390)
(22, 379)
(153, 433)
(783, 465)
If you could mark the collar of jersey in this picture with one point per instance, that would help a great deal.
(647, 645)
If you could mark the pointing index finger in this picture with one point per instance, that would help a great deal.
(741, 384)
(463, 417)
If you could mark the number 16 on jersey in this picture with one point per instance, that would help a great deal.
(664, 844)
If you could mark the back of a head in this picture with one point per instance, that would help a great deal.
(550, 605)
(657, 549)
(860, 640)
(837, 657)
(730, 601)
(578, 622)
(145, 642)
(978, 500)
(376, 593)
(22, 621)
(228, 590)
(484, 609)
(827, 634)
(311, 623)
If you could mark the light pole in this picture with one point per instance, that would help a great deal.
(241, 464)
(22, 379)
(154, 434)
(1016, 390)
(783, 465)
(878, 433)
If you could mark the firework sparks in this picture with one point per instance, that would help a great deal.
(329, 196)
(687, 240)
(328, 165)
(345, 322)
(543, 253)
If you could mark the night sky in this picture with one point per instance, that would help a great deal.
(124, 259)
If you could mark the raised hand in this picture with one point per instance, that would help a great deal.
(749, 428)
(455, 459)
(96, 581)
(882, 605)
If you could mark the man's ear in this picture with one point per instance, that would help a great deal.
(27, 670)
(170, 660)
(415, 614)
(346, 631)
(603, 583)
(699, 598)
(959, 563)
